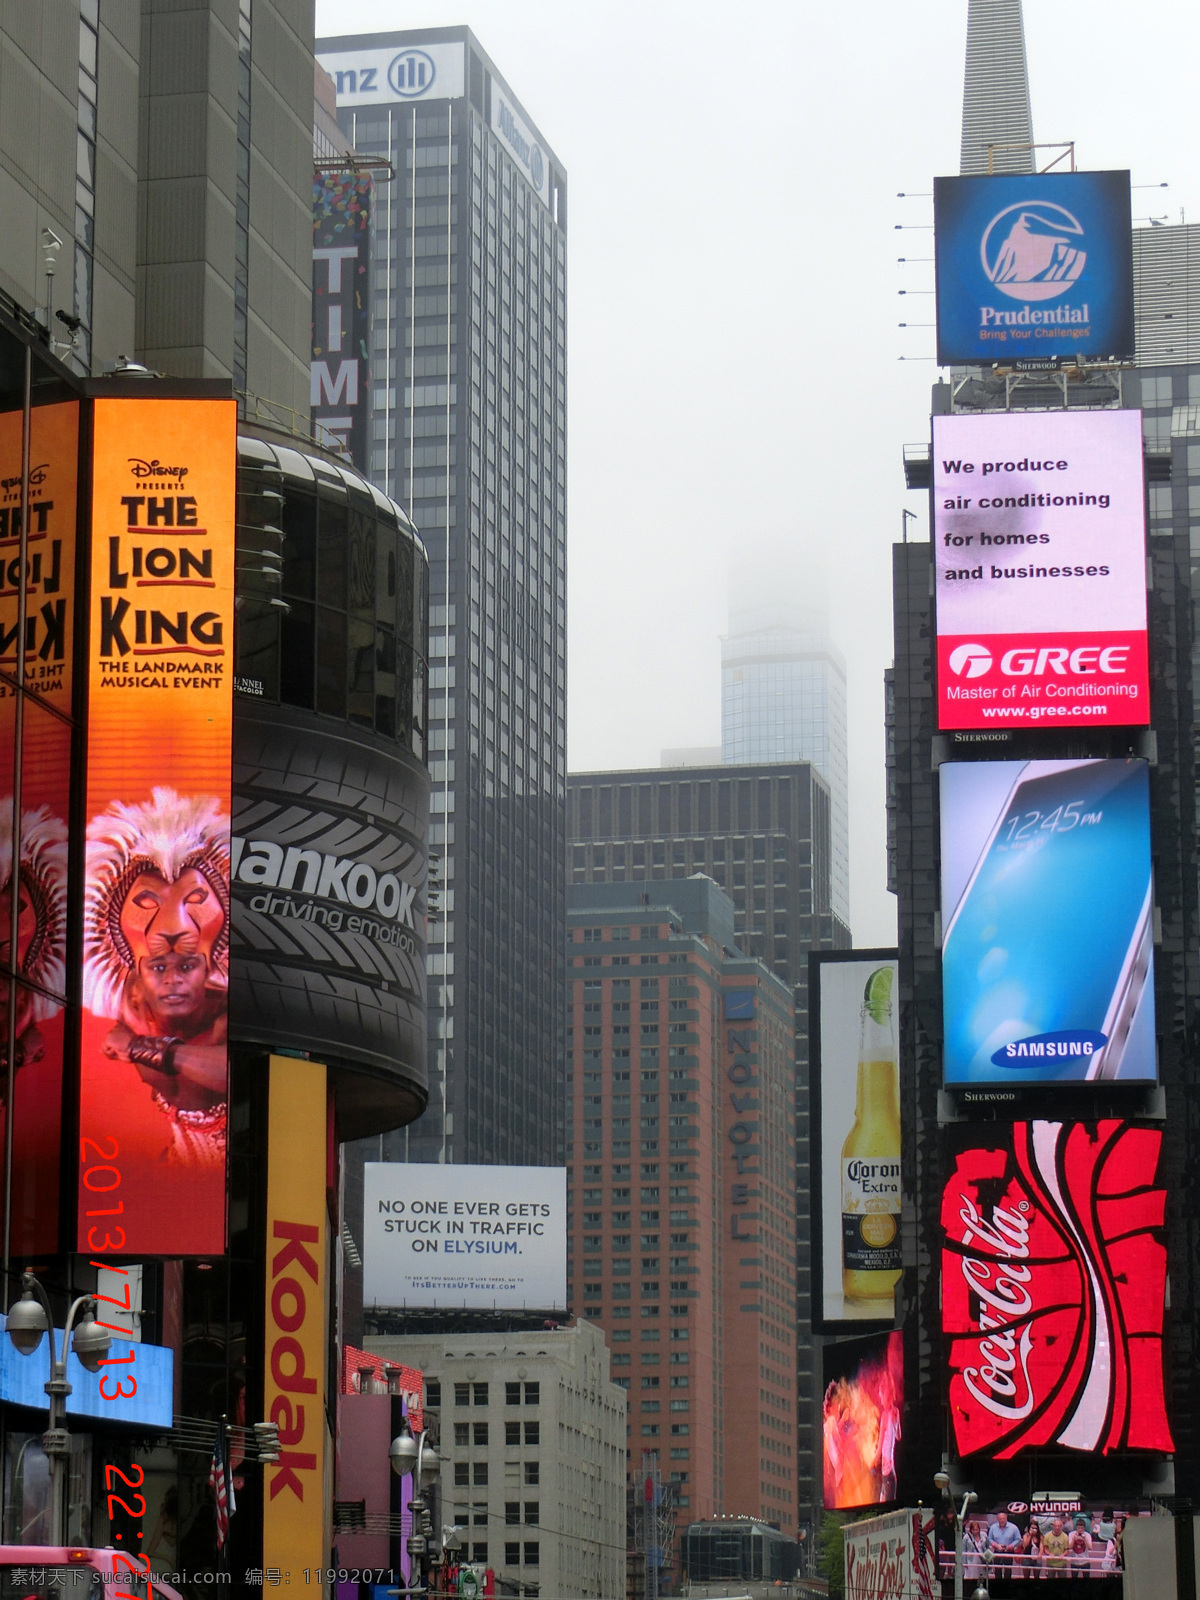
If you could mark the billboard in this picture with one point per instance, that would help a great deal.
(294, 1365)
(1054, 1284)
(519, 139)
(397, 74)
(861, 1416)
(855, 1121)
(329, 862)
(153, 1054)
(1040, 570)
(1057, 1536)
(493, 1237)
(343, 208)
(37, 839)
(105, 1394)
(891, 1557)
(1033, 267)
(1048, 922)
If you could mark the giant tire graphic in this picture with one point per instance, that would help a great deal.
(318, 971)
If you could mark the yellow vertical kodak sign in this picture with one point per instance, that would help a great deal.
(294, 1486)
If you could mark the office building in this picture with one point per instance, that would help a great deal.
(532, 1446)
(783, 698)
(468, 376)
(763, 834)
(996, 111)
(682, 1244)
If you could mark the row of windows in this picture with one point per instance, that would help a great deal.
(475, 1473)
(467, 1433)
(467, 1394)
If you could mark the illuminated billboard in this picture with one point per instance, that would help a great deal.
(1057, 1536)
(861, 1420)
(855, 1130)
(153, 1053)
(493, 1237)
(891, 1557)
(1035, 267)
(1040, 570)
(343, 207)
(1054, 1283)
(1047, 918)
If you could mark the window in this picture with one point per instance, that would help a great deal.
(533, 1394)
(533, 1552)
(462, 1473)
(433, 1395)
(462, 1394)
(532, 1474)
(512, 1513)
(480, 1510)
(480, 1393)
(512, 1555)
(462, 1434)
(512, 1394)
(479, 1554)
(532, 1433)
(481, 1432)
(512, 1433)
(531, 1513)
(650, 1383)
(480, 1474)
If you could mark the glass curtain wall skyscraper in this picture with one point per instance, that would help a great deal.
(468, 374)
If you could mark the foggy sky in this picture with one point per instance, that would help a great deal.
(734, 382)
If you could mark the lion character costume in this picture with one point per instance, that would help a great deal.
(41, 924)
(156, 956)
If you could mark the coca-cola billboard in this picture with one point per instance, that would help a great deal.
(891, 1557)
(1054, 1271)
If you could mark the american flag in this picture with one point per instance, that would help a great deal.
(222, 1488)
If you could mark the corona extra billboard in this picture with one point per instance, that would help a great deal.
(153, 1056)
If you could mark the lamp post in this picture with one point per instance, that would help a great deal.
(25, 1324)
(414, 1456)
(942, 1480)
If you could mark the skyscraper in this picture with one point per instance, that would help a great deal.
(783, 698)
(996, 90)
(468, 373)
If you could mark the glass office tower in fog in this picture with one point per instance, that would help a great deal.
(783, 698)
(468, 370)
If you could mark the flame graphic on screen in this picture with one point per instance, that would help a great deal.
(862, 1429)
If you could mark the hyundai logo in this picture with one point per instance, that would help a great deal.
(411, 74)
(1031, 251)
(972, 659)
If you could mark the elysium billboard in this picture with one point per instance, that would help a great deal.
(329, 867)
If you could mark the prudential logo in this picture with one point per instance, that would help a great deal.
(1033, 250)
(970, 661)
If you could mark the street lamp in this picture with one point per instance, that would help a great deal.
(942, 1480)
(25, 1324)
(416, 1456)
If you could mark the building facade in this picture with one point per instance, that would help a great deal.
(764, 835)
(996, 110)
(532, 1445)
(468, 375)
(682, 1239)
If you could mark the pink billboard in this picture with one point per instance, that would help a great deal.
(1040, 561)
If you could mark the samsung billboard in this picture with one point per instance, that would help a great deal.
(1034, 267)
(1047, 917)
(1040, 570)
(491, 1238)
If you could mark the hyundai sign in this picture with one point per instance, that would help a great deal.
(1047, 912)
(1040, 559)
(1033, 267)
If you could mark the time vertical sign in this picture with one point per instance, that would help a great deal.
(154, 1055)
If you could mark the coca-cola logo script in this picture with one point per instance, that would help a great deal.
(1054, 1271)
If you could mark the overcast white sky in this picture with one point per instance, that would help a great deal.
(735, 387)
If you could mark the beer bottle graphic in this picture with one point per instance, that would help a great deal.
(871, 1156)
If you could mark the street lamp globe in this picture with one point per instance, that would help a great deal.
(26, 1323)
(980, 1593)
(90, 1342)
(403, 1454)
(942, 1480)
(430, 1465)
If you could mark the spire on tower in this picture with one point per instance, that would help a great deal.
(996, 89)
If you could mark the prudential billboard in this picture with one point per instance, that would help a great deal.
(1036, 267)
(1040, 560)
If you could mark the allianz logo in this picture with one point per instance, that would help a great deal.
(529, 153)
(266, 865)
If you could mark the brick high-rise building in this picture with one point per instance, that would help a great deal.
(682, 1237)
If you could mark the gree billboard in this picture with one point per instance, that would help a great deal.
(1047, 911)
(1040, 570)
(1033, 267)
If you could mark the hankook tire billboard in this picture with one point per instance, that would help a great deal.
(328, 868)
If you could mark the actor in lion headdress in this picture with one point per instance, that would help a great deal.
(156, 956)
(41, 924)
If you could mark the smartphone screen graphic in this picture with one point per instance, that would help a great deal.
(1047, 947)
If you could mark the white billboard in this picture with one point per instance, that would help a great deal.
(891, 1557)
(395, 74)
(484, 1237)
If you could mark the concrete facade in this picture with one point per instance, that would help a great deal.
(532, 1444)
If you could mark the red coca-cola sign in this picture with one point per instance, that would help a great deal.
(1054, 1271)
